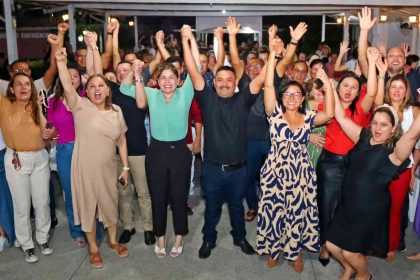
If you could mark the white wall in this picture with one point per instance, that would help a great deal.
(393, 36)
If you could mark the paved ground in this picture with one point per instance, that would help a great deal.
(226, 262)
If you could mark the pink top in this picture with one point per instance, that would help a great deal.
(62, 119)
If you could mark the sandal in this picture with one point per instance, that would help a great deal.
(175, 252)
(298, 263)
(250, 215)
(119, 249)
(95, 260)
(160, 253)
(80, 241)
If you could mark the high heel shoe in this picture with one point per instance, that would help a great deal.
(160, 253)
(176, 252)
(324, 261)
(272, 262)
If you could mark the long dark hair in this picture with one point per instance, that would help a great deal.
(33, 100)
(346, 75)
(283, 89)
(59, 90)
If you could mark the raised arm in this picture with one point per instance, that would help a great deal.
(372, 83)
(141, 98)
(270, 100)
(196, 77)
(295, 35)
(153, 65)
(107, 55)
(220, 59)
(116, 58)
(382, 66)
(405, 144)
(324, 116)
(344, 48)
(194, 49)
(69, 92)
(90, 68)
(237, 64)
(350, 128)
(160, 37)
(366, 23)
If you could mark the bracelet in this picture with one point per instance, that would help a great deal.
(94, 48)
(381, 77)
(294, 43)
(109, 33)
(126, 168)
(139, 80)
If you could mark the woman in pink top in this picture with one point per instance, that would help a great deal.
(61, 118)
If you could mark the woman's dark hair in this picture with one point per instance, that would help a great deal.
(108, 99)
(283, 89)
(346, 75)
(396, 134)
(315, 62)
(33, 100)
(412, 58)
(59, 90)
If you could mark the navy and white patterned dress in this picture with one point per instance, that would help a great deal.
(288, 211)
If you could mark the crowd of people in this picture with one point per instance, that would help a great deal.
(324, 151)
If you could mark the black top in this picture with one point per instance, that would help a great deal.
(225, 121)
(134, 119)
(258, 127)
(361, 222)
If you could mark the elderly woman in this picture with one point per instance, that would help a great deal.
(360, 226)
(100, 128)
(26, 163)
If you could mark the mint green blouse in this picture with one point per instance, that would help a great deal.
(168, 121)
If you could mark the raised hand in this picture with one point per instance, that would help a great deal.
(52, 39)
(272, 32)
(405, 47)
(63, 27)
(365, 19)
(160, 37)
(61, 55)
(297, 33)
(382, 66)
(320, 74)
(232, 27)
(344, 47)
(373, 54)
(382, 48)
(137, 67)
(186, 32)
(218, 32)
(90, 39)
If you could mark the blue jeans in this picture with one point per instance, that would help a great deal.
(256, 153)
(6, 203)
(64, 154)
(219, 186)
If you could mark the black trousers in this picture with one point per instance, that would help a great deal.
(330, 172)
(168, 171)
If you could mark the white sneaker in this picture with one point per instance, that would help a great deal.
(30, 256)
(3, 243)
(45, 249)
(16, 244)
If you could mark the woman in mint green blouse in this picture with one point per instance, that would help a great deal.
(168, 159)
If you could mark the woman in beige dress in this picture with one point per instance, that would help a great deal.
(100, 128)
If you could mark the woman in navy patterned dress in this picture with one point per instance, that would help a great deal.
(288, 213)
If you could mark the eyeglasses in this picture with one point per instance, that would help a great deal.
(254, 67)
(304, 72)
(296, 94)
(16, 161)
(17, 71)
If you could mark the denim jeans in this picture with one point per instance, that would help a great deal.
(256, 153)
(6, 203)
(219, 186)
(64, 154)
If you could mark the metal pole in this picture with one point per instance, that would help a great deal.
(12, 51)
(346, 33)
(72, 27)
(323, 29)
(136, 35)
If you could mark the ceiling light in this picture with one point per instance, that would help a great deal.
(384, 17)
(65, 17)
(412, 19)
